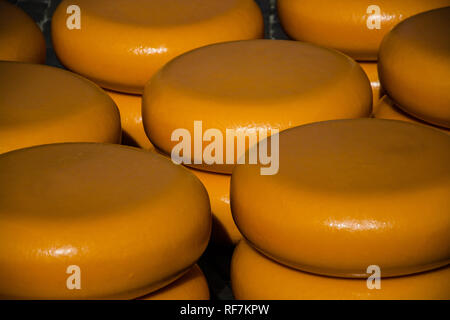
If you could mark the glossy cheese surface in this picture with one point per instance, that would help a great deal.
(256, 277)
(130, 219)
(370, 68)
(386, 109)
(20, 37)
(414, 66)
(122, 43)
(224, 230)
(191, 286)
(41, 104)
(130, 106)
(250, 85)
(349, 194)
(355, 27)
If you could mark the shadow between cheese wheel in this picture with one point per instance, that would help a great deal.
(130, 107)
(354, 27)
(245, 87)
(191, 286)
(20, 37)
(129, 219)
(414, 66)
(256, 277)
(350, 194)
(224, 229)
(386, 109)
(41, 104)
(120, 44)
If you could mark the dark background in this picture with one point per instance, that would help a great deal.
(42, 10)
(216, 261)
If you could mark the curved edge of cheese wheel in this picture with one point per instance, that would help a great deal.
(94, 124)
(256, 277)
(191, 286)
(225, 231)
(130, 106)
(137, 42)
(387, 109)
(23, 41)
(414, 65)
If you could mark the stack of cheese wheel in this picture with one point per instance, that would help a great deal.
(120, 44)
(41, 105)
(20, 37)
(351, 197)
(414, 69)
(239, 89)
(97, 221)
(355, 27)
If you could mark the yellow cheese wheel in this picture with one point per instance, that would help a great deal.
(370, 68)
(120, 44)
(355, 27)
(191, 286)
(129, 219)
(130, 106)
(224, 229)
(386, 109)
(250, 85)
(414, 66)
(255, 277)
(20, 37)
(349, 194)
(41, 104)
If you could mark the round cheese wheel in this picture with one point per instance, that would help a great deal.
(120, 44)
(256, 277)
(20, 37)
(355, 27)
(224, 229)
(130, 106)
(246, 86)
(191, 286)
(41, 104)
(130, 221)
(386, 109)
(414, 66)
(349, 194)
(370, 68)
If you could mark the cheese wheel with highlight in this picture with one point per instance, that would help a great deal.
(370, 68)
(191, 286)
(126, 221)
(414, 66)
(224, 229)
(256, 277)
(41, 104)
(20, 37)
(355, 27)
(349, 194)
(239, 88)
(130, 106)
(386, 109)
(120, 44)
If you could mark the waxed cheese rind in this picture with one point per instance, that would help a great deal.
(414, 66)
(21, 39)
(250, 85)
(130, 219)
(344, 25)
(41, 104)
(121, 45)
(349, 194)
(256, 277)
